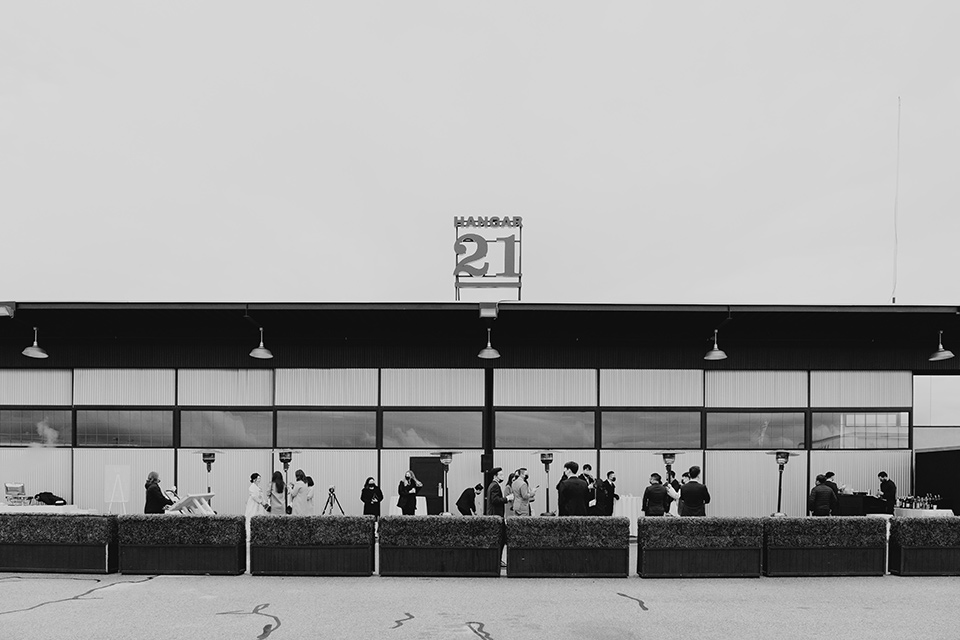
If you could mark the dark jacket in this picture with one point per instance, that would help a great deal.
(606, 494)
(676, 487)
(833, 486)
(156, 501)
(655, 500)
(467, 502)
(693, 497)
(495, 500)
(408, 498)
(822, 501)
(888, 489)
(371, 499)
(573, 497)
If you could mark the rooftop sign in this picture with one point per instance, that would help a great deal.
(487, 251)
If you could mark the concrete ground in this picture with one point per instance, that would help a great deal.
(40, 606)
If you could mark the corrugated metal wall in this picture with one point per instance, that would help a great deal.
(464, 472)
(651, 388)
(125, 387)
(545, 387)
(432, 387)
(344, 469)
(634, 467)
(744, 483)
(756, 389)
(511, 459)
(861, 389)
(858, 469)
(26, 386)
(327, 387)
(229, 476)
(102, 474)
(225, 387)
(39, 469)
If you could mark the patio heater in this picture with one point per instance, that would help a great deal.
(209, 456)
(446, 457)
(546, 457)
(782, 458)
(669, 458)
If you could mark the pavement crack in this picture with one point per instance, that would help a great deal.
(79, 596)
(257, 611)
(478, 630)
(402, 620)
(640, 602)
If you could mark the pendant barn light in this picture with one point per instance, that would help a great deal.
(35, 351)
(488, 352)
(261, 352)
(940, 353)
(716, 353)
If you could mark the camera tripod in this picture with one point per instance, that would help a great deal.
(332, 500)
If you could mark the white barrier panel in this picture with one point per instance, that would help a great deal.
(111, 480)
(744, 483)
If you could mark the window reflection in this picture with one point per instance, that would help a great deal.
(741, 430)
(545, 429)
(36, 427)
(650, 429)
(432, 429)
(844, 430)
(246, 429)
(334, 429)
(130, 428)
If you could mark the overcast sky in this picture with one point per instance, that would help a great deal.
(716, 152)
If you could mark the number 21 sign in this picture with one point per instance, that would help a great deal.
(488, 252)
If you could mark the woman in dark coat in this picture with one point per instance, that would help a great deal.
(371, 496)
(408, 494)
(156, 501)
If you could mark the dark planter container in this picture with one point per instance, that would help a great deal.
(739, 562)
(439, 561)
(568, 563)
(224, 560)
(924, 561)
(59, 558)
(326, 560)
(824, 561)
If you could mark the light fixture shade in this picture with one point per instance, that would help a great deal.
(35, 351)
(261, 352)
(716, 353)
(488, 352)
(940, 353)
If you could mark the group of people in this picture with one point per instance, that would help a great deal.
(293, 499)
(824, 497)
(690, 494)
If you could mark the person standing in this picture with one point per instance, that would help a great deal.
(694, 496)
(298, 494)
(408, 493)
(310, 508)
(156, 502)
(607, 494)
(256, 505)
(586, 475)
(888, 491)
(508, 492)
(522, 494)
(277, 494)
(372, 497)
(573, 493)
(496, 501)
(673, 489)
(655, 498)
(828, 480)
(822, 501)
(467, 502)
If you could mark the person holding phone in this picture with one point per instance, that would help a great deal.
(522, 494)
(408, 494)
(371, 496)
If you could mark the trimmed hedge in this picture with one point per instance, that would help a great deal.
(709, 532)
(825, 533)
(925, 532)
(163, 529)
(52, 528)
(480, 532)
(311, 531)
(568, 532)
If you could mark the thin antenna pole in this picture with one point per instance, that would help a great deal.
(896, 198)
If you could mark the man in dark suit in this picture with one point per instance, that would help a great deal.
(693, 495)
(674, 485)
(822, 500)
(586, 474)
(495, 499)
(888, 491)
(655, 498)
(573, 492)
(467, 502)
(607, 494)
(828, 480)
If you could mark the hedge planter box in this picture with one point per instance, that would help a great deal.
(830, 546)
(704, 547)
(58, 543)
(925, 546)
(569, 547)
(312, 546)
(182, 544)
(440, 546)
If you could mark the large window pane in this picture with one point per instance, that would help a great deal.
(650, 429)
(334, 429)
(131, 428)
(36, 426)
(755, 430)
(845, 430)
(247, 429)
(433, 429)
(545, 429)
